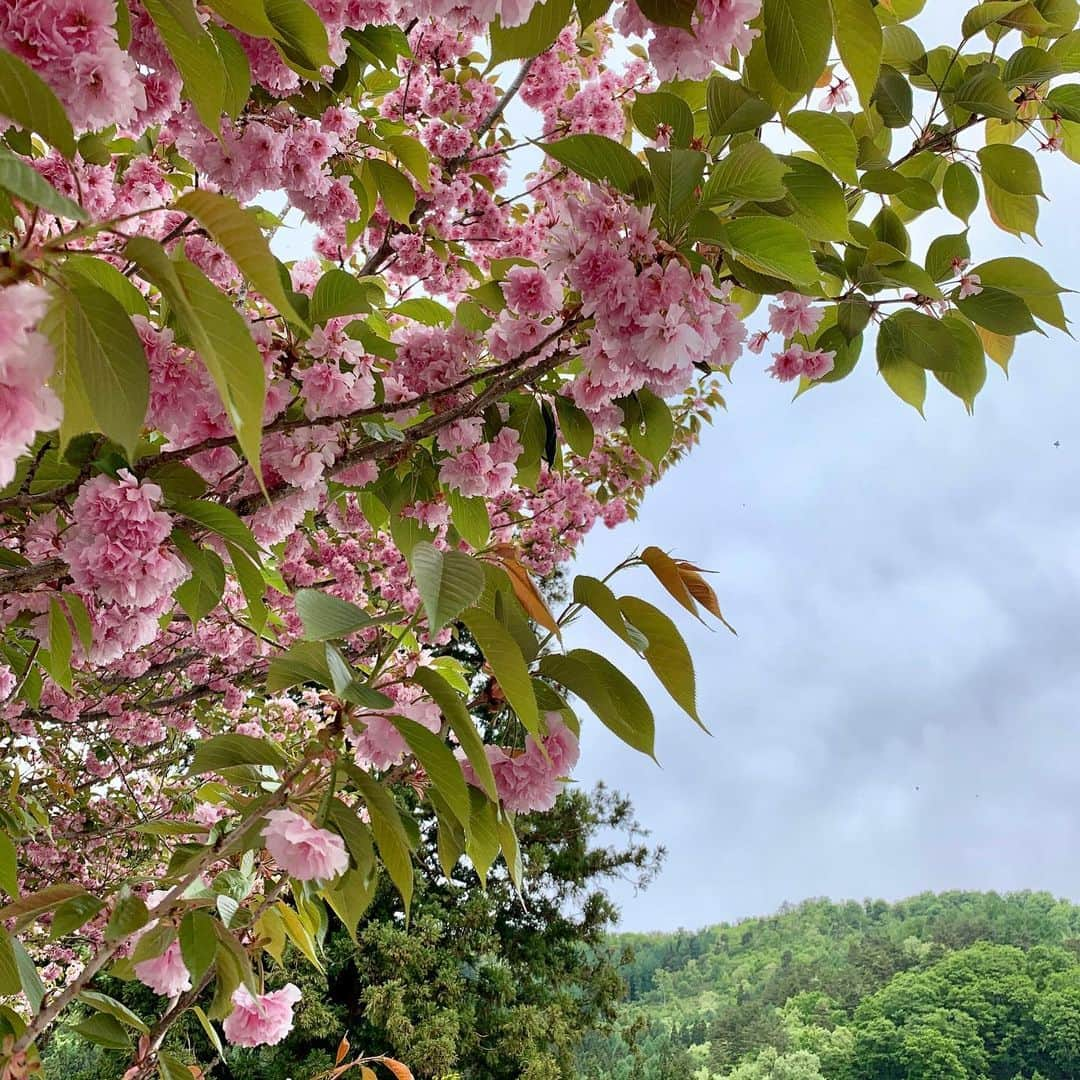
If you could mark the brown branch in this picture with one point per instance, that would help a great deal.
(376, 449)
(27, 577)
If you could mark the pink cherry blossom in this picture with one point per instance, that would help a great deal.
(531, 291)
(27, 405)
(970, 285)
(165, 974)
(817, 364)
(788, 364)
(794, 314)
(838, 95)
(303, 851)
(263, 1020)
(117, 547)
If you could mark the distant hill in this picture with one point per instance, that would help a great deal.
(956, 986)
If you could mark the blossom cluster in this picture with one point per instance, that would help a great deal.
(27, 404)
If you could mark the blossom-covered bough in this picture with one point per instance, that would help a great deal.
(248, 504)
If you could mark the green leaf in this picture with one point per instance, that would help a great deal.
(302, 662)
(104, 1030)
(72, 914)
(998, 311)
(508, 665)
(104, 1004)
(336, 293)
(1064, 101)
(59, 645)
(325, 616)
(1016, 214)
(600, 600)
(910, 335)
(34, 904)
(219, 334)
(749, 172)
(985, 95)
(1029, 281)
(101, 365)
(27, 100)
(830, 138)
(128, 915)
(221, 520)
(943, 253)
(394, 187)
(198, 944)
(414, 155)
(300, 35)
(350, 896)
(1066, 51)
(538, 33)
(853, 315)
(649, 111)
(356, 834)
(859, 42)
(676, 174)
(602, 161)
(733, 109)
(649, 425)
(969, 374)
(105, 276)
(482, 835)
(171, 1067)
(906, 379)
(237, 70)
(236, 230)
(195, 54)
(797, 41)
(820, 209)
(32, 985)
(439, 764)
(1012, 168)
(960, 190)
(390, 836)
(617, 703)
(774, 247)
(983, 15)
(202, 592)
(461, 724)
(1031, 66)
(226, 751)
(10, 983)
(448, 582)
(893, 98)
(668, 12)
(470, 518)
(30, 186)
(575, 426)
(666, 653)
(9, 866)
(424, 310)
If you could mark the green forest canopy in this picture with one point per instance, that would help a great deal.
(958, 986)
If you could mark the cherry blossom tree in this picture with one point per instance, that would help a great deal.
(249, 504)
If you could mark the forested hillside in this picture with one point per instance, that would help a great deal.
(960, 986)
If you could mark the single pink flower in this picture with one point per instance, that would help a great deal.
(794, 315)
(165, 974)
(818, 364)
(261, 1021)
(788, 364)
(302, 850)
(970, 285)
(838, 94)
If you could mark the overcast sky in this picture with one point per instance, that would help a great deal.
(899, 710)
